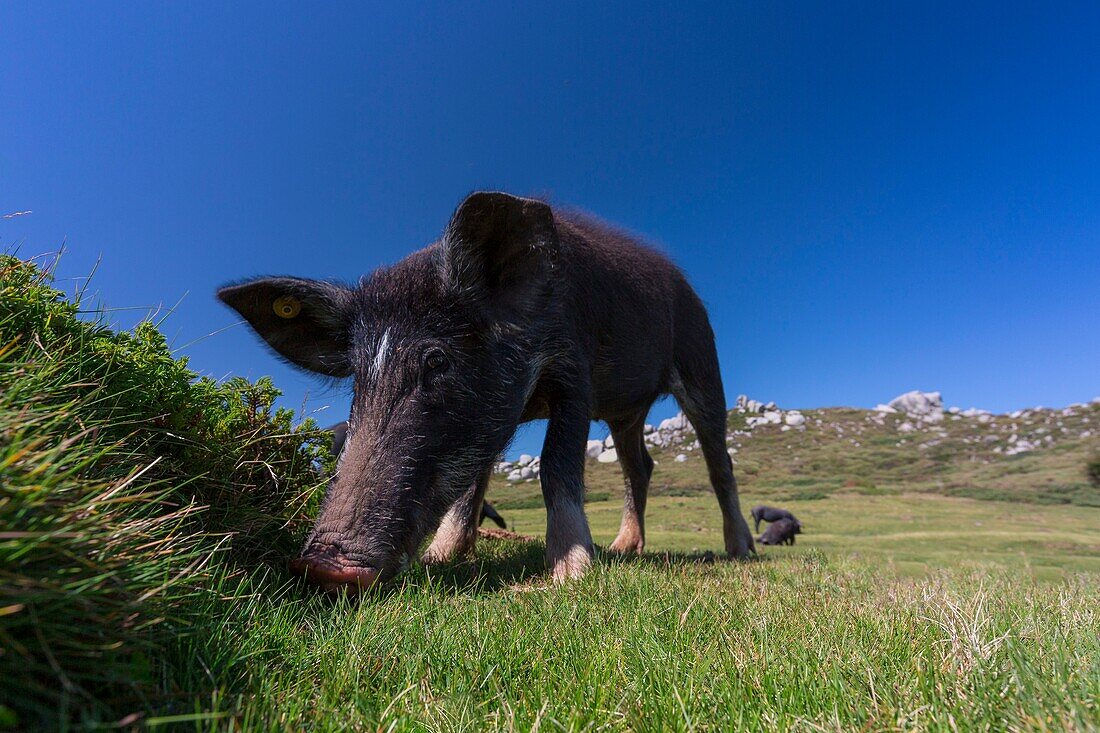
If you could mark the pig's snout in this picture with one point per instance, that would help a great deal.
(331, 571)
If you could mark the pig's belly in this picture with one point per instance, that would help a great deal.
(624, 401)
(624, 405)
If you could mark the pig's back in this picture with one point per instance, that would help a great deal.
(624, 300)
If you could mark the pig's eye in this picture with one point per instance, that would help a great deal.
(435, 363)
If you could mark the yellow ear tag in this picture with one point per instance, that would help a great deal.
(287, 306)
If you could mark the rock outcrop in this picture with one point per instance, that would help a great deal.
(924, 406)
(917, 417)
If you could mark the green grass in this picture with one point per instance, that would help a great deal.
(910, 534)
(145, 517)
(128, 487)
(801, 641)
(914, 613)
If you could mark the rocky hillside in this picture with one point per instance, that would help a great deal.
(913, 443)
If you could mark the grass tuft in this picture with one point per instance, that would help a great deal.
(126, 486)
(1092, 471)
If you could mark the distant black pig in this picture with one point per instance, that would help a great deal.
(518, 312)
(780, 532)
(771, 514)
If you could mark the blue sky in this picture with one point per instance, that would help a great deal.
(871, 198)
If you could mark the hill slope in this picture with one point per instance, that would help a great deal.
(1037, 456)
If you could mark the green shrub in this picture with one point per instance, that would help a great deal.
(125, 483)
(1092, 470)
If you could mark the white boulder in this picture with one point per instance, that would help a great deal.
(677, 422)
(794, 419)
(917, 403)
(744, 404)
(608, 456)
(1021, 446)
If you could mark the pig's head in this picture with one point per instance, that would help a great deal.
(443, 351)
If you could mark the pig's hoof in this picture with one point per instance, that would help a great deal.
(741, 549)
(628, 545)
(573, 564)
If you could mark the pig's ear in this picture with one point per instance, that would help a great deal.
(304, 321)
(500, 250)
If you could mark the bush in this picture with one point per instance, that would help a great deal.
(1092, 470)
(125, 484)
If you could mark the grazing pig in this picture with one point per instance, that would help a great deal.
(340, 435)
(518, 312)
(771, 514)
(780, 532)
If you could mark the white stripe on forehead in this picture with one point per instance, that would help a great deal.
(381, 353)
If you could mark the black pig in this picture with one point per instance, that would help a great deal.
(518, 312)
(771, 514)
(780, 532)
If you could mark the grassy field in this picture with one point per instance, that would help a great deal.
(975, 616)
(898, 535)
(146, 517)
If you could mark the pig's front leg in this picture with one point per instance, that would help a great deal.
(568, 539)
(457, 533)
